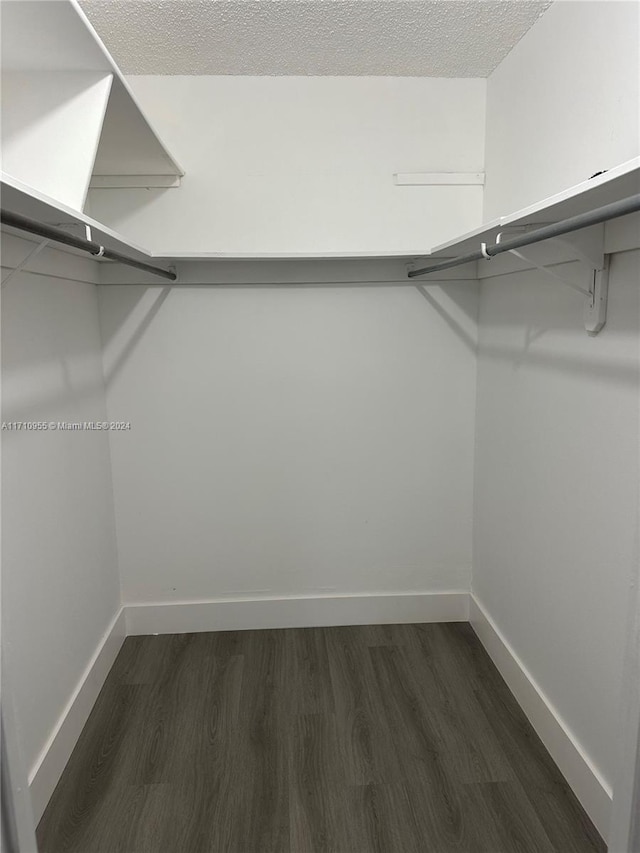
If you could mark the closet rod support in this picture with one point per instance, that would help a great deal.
(48, 232)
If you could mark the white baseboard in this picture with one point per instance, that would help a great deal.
(295, 612)
(48, 768)
(587, 784)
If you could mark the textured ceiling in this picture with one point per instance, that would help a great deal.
(431, 38)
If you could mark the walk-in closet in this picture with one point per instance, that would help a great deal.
(320, 426)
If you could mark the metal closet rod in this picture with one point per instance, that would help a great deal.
(22, 223)
(556, 229)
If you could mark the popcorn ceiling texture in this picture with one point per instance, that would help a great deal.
(436, 38)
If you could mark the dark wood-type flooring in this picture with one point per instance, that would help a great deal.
(394, 738)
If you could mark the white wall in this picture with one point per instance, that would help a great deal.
(305, 164)
(564, 103)
(556, 456)
(291, 440)
(60, 587)
(556, 497)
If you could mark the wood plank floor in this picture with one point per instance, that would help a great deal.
(394, 739)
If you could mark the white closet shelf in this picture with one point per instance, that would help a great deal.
(53, 38)
(26, 201)
(617, 183)
(286, 256)
(51, 126)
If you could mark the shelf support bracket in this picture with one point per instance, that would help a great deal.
(595, 309)
(549, 272)
(35, 251)
(588, 246)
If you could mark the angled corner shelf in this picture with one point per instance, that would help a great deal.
(70, 119)
(50, 129)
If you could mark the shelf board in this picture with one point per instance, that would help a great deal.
(286, 256)
(20, 198)
(51, 128)
(617, 183)
(137, 150)
(49, 35)
(467, 242)
(56, 35)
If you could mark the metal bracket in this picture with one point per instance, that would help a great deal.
(548, 272)
(595, 309)
(36, 250)
(588, 246)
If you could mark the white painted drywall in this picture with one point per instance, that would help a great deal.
(291, 440)
(277, 165)
(564, 104)
(556, 496)
(556, 457)
(60, 587)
